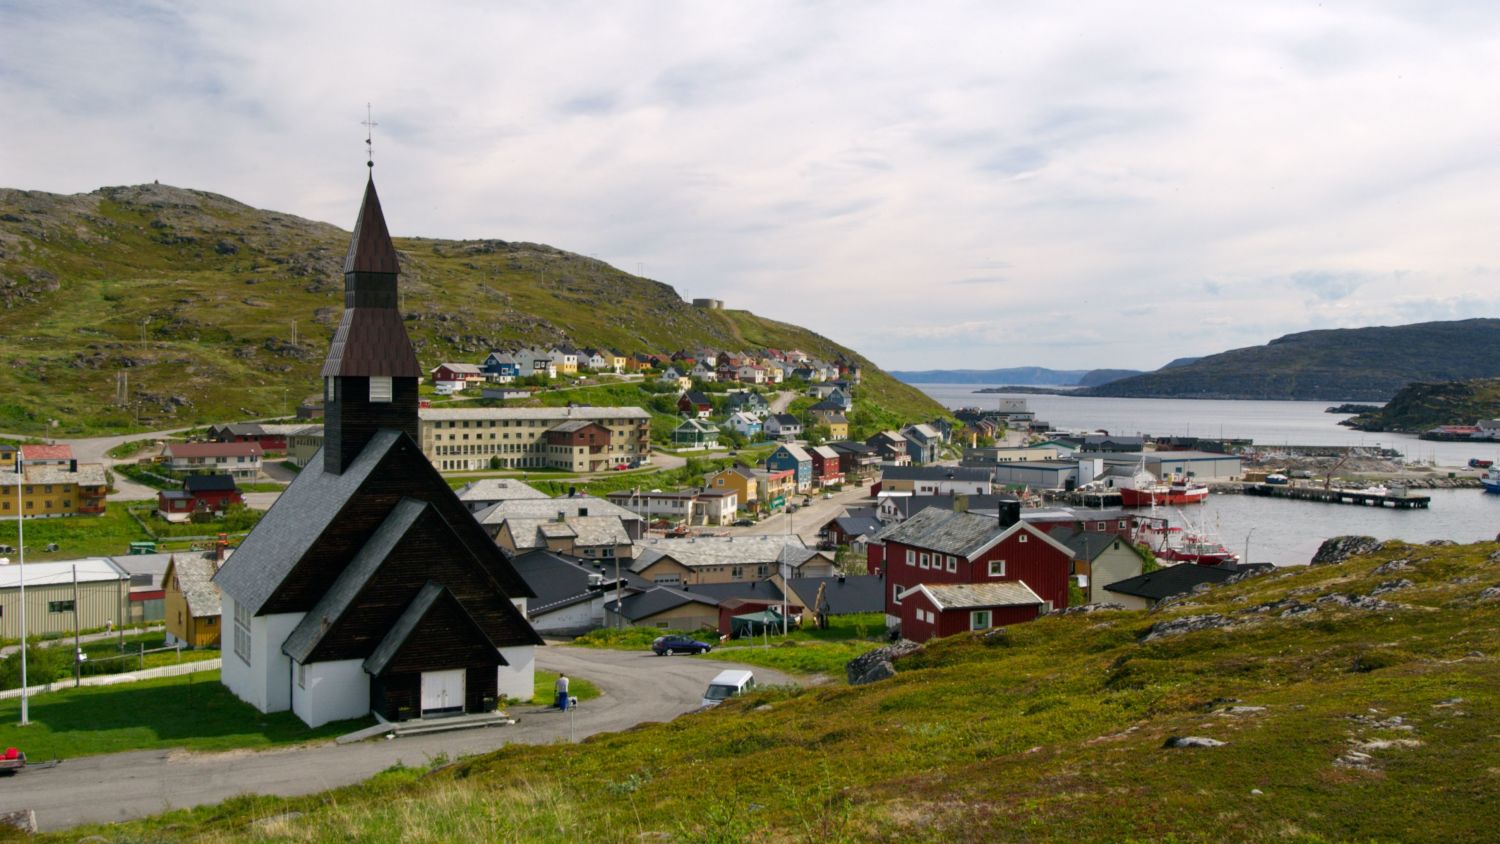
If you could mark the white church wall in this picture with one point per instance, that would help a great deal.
(330, 691)
(517, 680)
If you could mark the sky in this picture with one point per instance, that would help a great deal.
(936, 184)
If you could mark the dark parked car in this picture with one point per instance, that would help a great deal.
(743, 522)
(668, 645)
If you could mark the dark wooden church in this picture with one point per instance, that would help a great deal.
(368, 586)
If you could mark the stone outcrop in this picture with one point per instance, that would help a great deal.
(1341, 548)
(878, 664)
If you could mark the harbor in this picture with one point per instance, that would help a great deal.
(1398, 498)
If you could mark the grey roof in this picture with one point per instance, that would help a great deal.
(934, 473)
(406, 624)
(195, 575)
(659, 599)
(824, 452)
(949, 596)
(701, 426)
(573, 425)
(724, 550)
(560, 581)
(326, 613)
(548, 508)
(299, 516)
(908, 505)
(945, 531)
(695, 397)
(208, 483)
(154, 565)
(786, 420)
(589, 531)
(796, 452)
(88, 474)
(748, 589)
(1168, 581)
(498, 489)
(858, 525)
(1089, 544)
(851, 447)
(842, 595)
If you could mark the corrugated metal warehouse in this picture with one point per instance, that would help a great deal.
(103, 596)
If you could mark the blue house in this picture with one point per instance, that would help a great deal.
(794, 457)
(923, 443)
(501, 367)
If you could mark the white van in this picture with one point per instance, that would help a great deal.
(727, 685)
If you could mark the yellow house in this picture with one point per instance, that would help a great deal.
(739, 480)
(192, 601)
(51, 490)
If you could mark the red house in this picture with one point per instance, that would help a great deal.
(929, 610)
(826, 469)
(942, 547)
(208, 493)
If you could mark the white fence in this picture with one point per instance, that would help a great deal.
(127, 677)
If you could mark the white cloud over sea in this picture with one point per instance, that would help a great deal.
(941, 184)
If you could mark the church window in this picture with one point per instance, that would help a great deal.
(380, 389)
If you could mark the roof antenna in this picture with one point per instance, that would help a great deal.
(369, 125)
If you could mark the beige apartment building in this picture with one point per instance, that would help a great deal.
(535, 437)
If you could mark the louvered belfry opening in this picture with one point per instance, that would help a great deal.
(370, 376)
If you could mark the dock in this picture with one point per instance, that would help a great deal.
(1340, 496)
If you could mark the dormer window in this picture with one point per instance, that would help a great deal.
(380, 389)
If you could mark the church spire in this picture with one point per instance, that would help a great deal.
(370, 375)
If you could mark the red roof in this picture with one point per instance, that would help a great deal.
(46, 452)
(244, 449)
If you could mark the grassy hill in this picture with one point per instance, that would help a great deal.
(1420, 407)
(194, 297)
(1354, 701)
(1358, 364)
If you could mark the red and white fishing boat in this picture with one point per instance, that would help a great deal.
(1192, 544)
(1143, 489)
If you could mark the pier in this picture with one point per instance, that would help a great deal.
(1340, 496)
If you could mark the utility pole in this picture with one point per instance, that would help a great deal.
(77, 635)
(21, 551)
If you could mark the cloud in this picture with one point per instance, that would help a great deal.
(1228, 172)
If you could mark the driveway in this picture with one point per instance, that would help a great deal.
(637, 687)
(807, 520)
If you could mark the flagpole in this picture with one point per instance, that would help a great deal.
(21, 552)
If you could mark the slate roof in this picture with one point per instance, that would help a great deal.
(696, 398)
(548, 508)
(858, 525)
(329, 608)
(952, 596)
(460, 368)
(849, 447)
(934, 473)
(498, 489)
(656, 600)
(1089, 544)
(370, 247)
(195, 574)
(88, 474)
(757, 590)
(1168, 581)
(724, 551)
(587, 531)
(559, 581)
(787, 420)
(298, 517)
(208, 483)
(944, 531)
(846, 595)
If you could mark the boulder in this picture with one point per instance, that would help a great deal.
(1193, 741)
(1186, 624)
(878, 664)
(1341, 548)
(1088, 608)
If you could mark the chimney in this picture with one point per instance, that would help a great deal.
(1010, 512)
(73, 466)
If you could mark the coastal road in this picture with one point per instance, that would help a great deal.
(637, 687)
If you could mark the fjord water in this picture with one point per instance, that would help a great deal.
(1278, 531)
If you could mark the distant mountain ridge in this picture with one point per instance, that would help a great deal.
(198, 308)
(1346, 364)
(1021, 376)
(1421, 406)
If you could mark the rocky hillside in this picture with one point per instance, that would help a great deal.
(215, 310)
(1354, 700)
(1420, 407)
(1359, 364)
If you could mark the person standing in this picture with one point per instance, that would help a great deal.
(561, 686)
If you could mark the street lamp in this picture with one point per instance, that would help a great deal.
(1247, 545)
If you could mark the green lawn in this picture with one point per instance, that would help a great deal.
(107, 534)
(192, 711)
(577, 687)
(806, 650)
(796, 657)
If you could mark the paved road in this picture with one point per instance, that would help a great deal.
(637, 688)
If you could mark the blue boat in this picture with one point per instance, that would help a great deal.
(1491, 480)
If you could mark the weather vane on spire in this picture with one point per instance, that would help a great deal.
(369, 125)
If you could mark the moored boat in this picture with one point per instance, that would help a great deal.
(1144, 489)
(1173, 545)
(1491, 480)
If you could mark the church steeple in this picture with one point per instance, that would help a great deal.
(370, 376)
